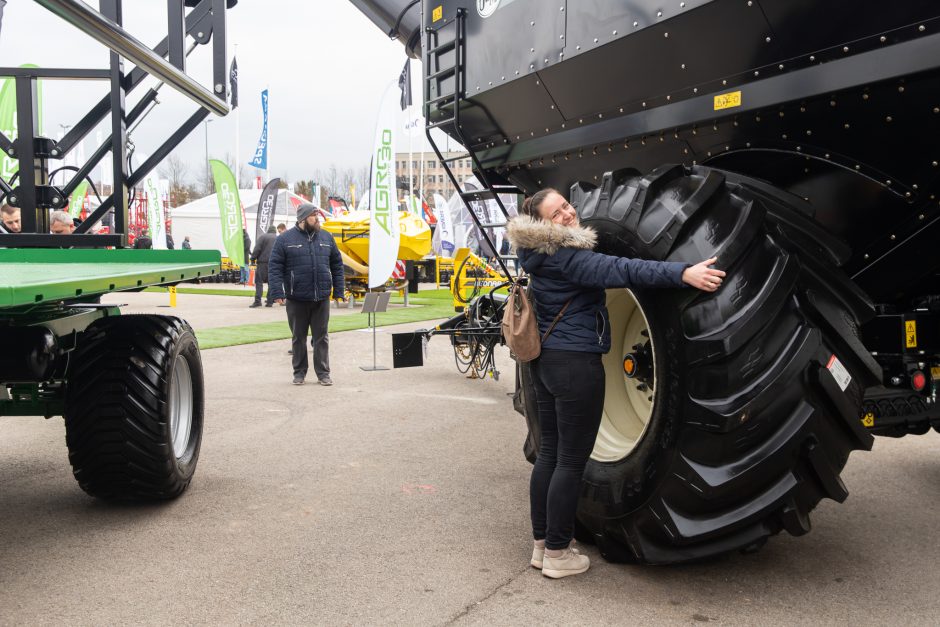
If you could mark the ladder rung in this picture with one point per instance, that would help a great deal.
(442, 73)
(478, 194)
(441, 99)
(443, 47)
(457, 158)
(440, 123)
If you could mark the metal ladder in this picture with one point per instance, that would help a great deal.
(434, 74)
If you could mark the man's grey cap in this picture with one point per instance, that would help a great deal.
(304, 211)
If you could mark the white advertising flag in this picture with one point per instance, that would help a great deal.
(383, 223)
(156, 221)
(444, 226)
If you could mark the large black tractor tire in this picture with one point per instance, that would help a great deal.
(749, 406)
(134, 408)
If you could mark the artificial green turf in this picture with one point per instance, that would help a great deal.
(433, 308)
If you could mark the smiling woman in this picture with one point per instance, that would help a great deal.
(568, 281)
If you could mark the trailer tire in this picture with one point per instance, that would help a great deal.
(134, 408)
(749, 429)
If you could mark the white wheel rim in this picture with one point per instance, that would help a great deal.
(627, 409)
(181, 406)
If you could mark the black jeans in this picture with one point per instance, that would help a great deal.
(261, 277)
(315, 316)
(569, 392)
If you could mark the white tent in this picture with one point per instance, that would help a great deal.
(200, 219)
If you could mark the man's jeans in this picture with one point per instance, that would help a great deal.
(315, 316)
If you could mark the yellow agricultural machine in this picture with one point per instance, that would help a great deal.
(351, 232)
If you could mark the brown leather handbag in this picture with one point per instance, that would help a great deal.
(520, 326)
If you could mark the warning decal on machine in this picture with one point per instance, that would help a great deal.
(839, 373)
(910, 333)
(727, 101)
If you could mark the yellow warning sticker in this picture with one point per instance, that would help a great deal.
(868, 420)
(910, 333)
(935, 373)
(437, 13)
(728, 101)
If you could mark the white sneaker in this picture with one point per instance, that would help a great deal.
(538, 554)
(570, 563)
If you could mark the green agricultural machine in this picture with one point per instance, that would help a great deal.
(130, 387)
(794, 140)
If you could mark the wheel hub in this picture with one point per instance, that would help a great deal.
(630, 379)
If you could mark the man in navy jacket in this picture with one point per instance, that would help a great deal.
(305, 267)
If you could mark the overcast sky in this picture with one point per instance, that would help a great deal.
(325, 64)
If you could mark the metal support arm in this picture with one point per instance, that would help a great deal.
(120, 41)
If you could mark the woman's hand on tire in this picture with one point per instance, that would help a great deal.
(703, 277)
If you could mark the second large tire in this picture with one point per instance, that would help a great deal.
(134, 408)
(751, 407)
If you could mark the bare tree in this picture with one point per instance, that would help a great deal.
(176, 171)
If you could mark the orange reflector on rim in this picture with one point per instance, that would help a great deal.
(629, 365)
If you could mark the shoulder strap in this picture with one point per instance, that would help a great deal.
(555, 321)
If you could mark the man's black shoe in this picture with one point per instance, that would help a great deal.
(253, 305)
(298, 380)
(269, 305)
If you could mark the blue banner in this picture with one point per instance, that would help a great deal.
(260, 160)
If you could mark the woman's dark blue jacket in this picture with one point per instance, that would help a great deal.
(562, 266)
(305, 266)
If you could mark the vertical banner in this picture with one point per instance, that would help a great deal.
(267, 204)
(444, 226)
(383, 223)
(230, 211)
(260, 160)
(9, 165)
(77, 199)
(233, 83)
(156, 220)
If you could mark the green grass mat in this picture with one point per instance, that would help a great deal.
(426, 309)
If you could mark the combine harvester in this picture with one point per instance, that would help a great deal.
(129, 387)
(794, 140)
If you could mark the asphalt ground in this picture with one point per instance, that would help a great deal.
(400, 497)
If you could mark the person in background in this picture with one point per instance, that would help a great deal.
(143, 240)
(186, 244)
(568, 281)
(246, 272)
(170, 245)
(10, 216)
(261, 255)
(61, 223)
(305, 267)
(281, 228)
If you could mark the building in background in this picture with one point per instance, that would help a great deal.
(435, 178)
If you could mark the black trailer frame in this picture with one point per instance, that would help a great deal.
(35, 195)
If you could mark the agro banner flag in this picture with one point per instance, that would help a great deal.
(266, 206)
(383, 223)
(444, 226)
(230, 211)
(156, 217)
(9, 165)
(260, 160)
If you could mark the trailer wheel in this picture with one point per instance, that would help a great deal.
(742, 405)
(134, 408)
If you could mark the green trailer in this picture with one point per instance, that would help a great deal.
(129, 387)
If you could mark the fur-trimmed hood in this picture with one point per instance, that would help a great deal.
(546, 237)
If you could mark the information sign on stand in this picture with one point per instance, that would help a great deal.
(375, 303)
